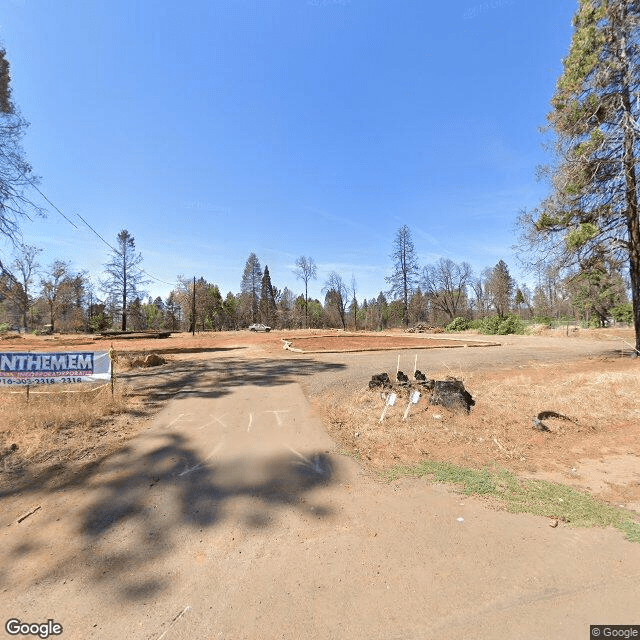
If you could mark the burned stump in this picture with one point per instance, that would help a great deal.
(452, 395)
(380, 380)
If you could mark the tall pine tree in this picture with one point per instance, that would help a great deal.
(403, 280)
(251, 284)
(267, 299)
(125, 278)
(593, 206)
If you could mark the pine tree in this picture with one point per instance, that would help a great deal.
(124, 275)
(406, 271)
(499, 287)
(251, 284)
(267, 299)
(594, 201)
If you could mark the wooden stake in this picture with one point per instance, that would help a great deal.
(113, 369)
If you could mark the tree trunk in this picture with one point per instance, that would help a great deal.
(124, 293)
(631, 193)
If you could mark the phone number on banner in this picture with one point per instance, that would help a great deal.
(58, 380)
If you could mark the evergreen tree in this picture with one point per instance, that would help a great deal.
(406, 271)
(251, 285)
(596, 289)
(267, 299)
(499, 287)
(593, 205)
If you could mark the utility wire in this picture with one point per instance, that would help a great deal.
(99, 236)
(51, 203)
(93, 230)
(157, 279)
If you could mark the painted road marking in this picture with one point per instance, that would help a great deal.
(276, 413)
(200, 465)
(215, 419)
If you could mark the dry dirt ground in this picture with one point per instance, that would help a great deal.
(228, 510)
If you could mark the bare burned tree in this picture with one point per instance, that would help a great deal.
(57, 290)
(17, 286)
(406, 271)
(306, 270)
(445, 283)
(16, 175)
(354, 301)
(337, 295)
(124, 275)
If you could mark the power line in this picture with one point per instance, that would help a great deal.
(171, 284)
(94, 231)
(51, 203)
(99, 236)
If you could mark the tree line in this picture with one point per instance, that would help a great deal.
(56, 297)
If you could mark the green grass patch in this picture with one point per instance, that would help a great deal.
(523, 495)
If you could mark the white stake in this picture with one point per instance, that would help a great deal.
(391, 400)
(413, 399)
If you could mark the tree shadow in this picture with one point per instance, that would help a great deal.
(215, 378)
(189, 379)
(137, 502)
(142, 502)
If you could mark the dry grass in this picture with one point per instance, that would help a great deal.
(65, 427)
(599, 398)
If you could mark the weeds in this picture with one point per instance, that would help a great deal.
(520, 495)
(59, 425)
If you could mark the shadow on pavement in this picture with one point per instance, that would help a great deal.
(215, 378)
(142, 504)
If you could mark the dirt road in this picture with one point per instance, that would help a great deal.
(233, 516)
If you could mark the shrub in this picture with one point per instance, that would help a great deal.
(457, 324)
(4, 327)
(495, 325)
(511, 324)
(490, 325)
(623, 313)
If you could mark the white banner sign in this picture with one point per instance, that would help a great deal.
(17, 368)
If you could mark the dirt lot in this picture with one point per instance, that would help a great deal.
(346, 343)
(585, 376)
(233, 498)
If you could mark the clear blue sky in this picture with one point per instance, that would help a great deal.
(213, 128)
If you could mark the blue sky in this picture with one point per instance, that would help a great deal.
(211, 129)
